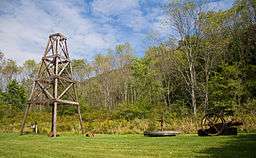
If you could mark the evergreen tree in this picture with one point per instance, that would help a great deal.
(15, 94)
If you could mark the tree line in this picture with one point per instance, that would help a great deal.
(208, 60)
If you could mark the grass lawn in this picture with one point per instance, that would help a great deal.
(13, 145)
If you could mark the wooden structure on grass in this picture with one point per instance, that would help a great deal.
(54, 85)
(219, 121)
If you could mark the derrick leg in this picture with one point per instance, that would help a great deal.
(80, 118)
(24, 119)
(54, 119)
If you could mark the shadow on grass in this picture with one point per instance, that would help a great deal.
(241, 146)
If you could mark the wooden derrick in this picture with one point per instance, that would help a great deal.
(54, 84)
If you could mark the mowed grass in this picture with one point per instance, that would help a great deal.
(14, 145)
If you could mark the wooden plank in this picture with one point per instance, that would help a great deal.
(64, 92)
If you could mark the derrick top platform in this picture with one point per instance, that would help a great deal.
(58, 35)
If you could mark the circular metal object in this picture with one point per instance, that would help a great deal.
(160, 133)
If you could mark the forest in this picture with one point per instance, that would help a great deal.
(208, 61)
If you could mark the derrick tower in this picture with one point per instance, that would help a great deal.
(54, 84)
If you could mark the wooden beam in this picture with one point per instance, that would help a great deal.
(47, 93)
(24, 119)
(66, 79)
(32, 91)
(34, 98)
(44, 81)
(64, 92)
(47, 67)
(80, 118)
(64, 67)
(54, 110)
(67, 102)
(73, 97)
(66, 47)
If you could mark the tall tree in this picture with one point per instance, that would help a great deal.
(122, 57)
(213, 45)
(184, 19)
(103, 66)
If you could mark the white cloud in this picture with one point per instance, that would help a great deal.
(127, 13)
(114, 7)
(25, 27)
(91, 27)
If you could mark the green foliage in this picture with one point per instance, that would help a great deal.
(138, 110)
(81, 69)
(180, 109)
(225, 86)
(10, 68)
(214, 55)
(145, 81)
(15, 94)
(67, 110)
(7, 113)
(30, 67)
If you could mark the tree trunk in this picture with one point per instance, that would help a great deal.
(125, 92)
(192, 80)
(206, 99)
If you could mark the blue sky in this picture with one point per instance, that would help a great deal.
(91, 26)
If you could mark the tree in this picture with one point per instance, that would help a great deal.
(81, 69)
(122, 59)
(184, 19)
(1, 67)
(15, 94)
(9, 70)
(29, 68)
(103, 66)
(148, 88)
(225, 86)
(213, 45)
(166, 72)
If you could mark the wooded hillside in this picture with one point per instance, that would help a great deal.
(208, 60)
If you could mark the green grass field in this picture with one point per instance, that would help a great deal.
(13, 145)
